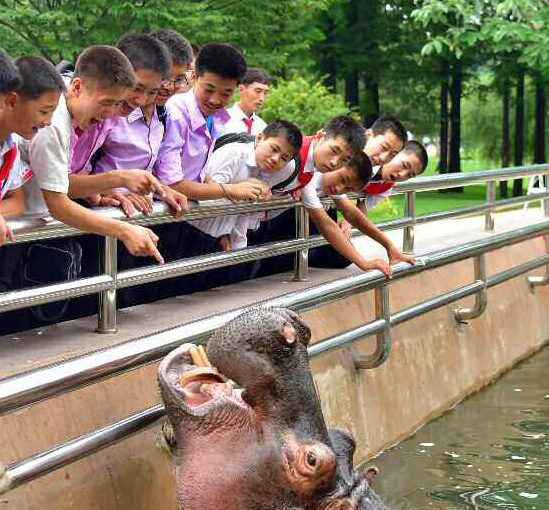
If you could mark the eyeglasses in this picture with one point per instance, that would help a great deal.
(176, 82)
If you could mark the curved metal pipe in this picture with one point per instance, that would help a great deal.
(462, 315)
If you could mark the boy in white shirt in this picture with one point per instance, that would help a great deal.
(30, 89)
(262, 158)
(252, 91)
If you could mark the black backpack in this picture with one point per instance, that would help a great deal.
(245, 138)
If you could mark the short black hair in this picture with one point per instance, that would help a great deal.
(221, 59)
(361, 167)
(256, 75)
(349, 129)
(106, 65)
(179, 48)
(10, 78)
(146, 52)
(196, 49)
(416, 148)
(290, 131)
(38, 77)
(392, 124)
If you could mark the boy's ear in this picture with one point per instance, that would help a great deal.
(76, 85)
(369, 134)
(240, 89)
(319, 135)
(258, 138)
(10, 99)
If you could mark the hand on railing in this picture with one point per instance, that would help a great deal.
(383, 266)
(5, 232)
(141, 182)
(176, 201)
(141, 241)
(243, 191)
(396, 256)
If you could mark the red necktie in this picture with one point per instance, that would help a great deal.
(78, 131)
(248, 123)
(7, 165)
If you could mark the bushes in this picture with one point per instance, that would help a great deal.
(305, 102)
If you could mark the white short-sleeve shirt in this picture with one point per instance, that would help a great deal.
(231, 163)
(237, 125)
(19, 173)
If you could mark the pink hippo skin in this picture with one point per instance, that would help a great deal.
(249, 430)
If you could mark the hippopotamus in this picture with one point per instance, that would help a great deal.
(248, 426)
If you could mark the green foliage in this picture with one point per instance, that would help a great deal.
(305, 102)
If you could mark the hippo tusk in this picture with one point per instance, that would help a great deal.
(205, 359)
(196, 357)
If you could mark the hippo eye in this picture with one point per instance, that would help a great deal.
(311, 459)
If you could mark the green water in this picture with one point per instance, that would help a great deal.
(491, 451)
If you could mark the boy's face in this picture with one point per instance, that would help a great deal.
(382, 148)
(177, 80)
(331, 153)
(252, 96)
(340, 182)
(29, 115)
(90, 103)
(273, 154)
(144, 93)
(403, 167)
(213, 92)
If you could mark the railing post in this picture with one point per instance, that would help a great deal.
(537, 281)
(301, 260)
(106, 316)
(545, 201)
(409, 212)
(383, 339)
(491, 201)
(464, 314)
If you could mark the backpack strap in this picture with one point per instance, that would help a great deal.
(300, 160)
(232, 138)
(162, 115)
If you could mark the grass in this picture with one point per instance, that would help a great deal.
(433, 201)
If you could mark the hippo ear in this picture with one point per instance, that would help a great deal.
(343, 445)
(303, 331)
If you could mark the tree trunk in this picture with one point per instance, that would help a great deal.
(540, 155)
(455, 120)
(351, 89)
(506, 136)
(519, 130)
(328, 60)
(443, 160)
(371, 101)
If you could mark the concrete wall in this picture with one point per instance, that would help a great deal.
(434, 363)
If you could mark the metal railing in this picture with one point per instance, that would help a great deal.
(31, 228)
(28, 388)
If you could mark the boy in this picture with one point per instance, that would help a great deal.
(100, 83)
(262, 158)
(410, 162)
(132, 140)
(29, 93)
(182, 56)
(252, 91)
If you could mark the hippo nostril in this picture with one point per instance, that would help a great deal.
(311, 459)
(288, 331)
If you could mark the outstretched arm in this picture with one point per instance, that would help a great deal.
(359, 220)
(334, 235)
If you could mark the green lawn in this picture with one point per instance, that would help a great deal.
(433, 201)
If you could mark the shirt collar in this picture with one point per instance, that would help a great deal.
(241, 114)
(251, 160)
(196, 116)
(7, 145)
(135, 115)
(310, 161)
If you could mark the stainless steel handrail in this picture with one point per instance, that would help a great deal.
(35, 227)
(40, 464)
(46, 382)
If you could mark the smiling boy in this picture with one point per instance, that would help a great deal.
(100, 83)
(29, 93)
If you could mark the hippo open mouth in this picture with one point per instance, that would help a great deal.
(188, 380)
